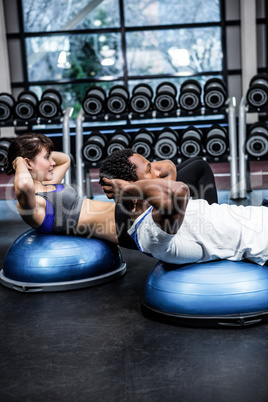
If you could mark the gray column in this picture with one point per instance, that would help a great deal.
(5, 82)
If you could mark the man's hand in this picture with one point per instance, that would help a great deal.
(118, 190)
(114, 188)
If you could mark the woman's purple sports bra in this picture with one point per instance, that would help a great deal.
(63, 207)
(47, 224)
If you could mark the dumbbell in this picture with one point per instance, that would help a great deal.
(7, 103)
(165, 99)
(257, 94)
(4, 145)
(216, 141)
(215, 93)
(117, 102)
(94, 149)
(257, 140)
(190, 95)
(94, 101)
(49, 106)
(120, 140)
(143, 143)
(141, 100)
(166, 145)
(191, 142)
(26, 105)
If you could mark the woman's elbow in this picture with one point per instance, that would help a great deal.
(67, 160)
(25, 186)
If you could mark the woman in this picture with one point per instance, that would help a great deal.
(46, 205)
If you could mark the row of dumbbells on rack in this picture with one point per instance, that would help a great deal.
(165, 144)
(191, 99)
(118, 102)
(28, 107)
(172, 144)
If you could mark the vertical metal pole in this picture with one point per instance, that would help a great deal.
(89, 191)
(242, 154)
(233, 148)
(66, 145)
(79, 161)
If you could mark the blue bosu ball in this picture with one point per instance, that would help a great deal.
(38, 262)
(217, 293)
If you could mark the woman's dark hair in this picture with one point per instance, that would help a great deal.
(27, 146)
(118, 166)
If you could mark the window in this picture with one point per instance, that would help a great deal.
(54, 58)
(179, 52)
(79, 43)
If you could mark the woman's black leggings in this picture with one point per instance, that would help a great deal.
(197, 174)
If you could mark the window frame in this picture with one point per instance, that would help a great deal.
(126, 79)
(123, 30)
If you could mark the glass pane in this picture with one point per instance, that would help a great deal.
(180, 52)
(159, 12)
(59, 15)
(74, 56)
(73, 94)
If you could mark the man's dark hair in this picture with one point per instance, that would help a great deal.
(118, 166)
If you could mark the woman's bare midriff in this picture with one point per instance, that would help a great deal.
(97, 220)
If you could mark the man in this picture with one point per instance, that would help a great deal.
(169, 226)
(129, 166)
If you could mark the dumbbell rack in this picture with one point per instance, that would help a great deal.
(244, 185)
(229, 111)
(64, 120)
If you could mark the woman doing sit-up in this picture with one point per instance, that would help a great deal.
(44, 203)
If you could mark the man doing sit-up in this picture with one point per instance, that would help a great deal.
(127, 165)
(167, 225)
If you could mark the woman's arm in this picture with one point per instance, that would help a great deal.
(169, 198)
(62, 161)
(24, 185)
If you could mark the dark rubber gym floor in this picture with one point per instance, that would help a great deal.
(95, 345)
